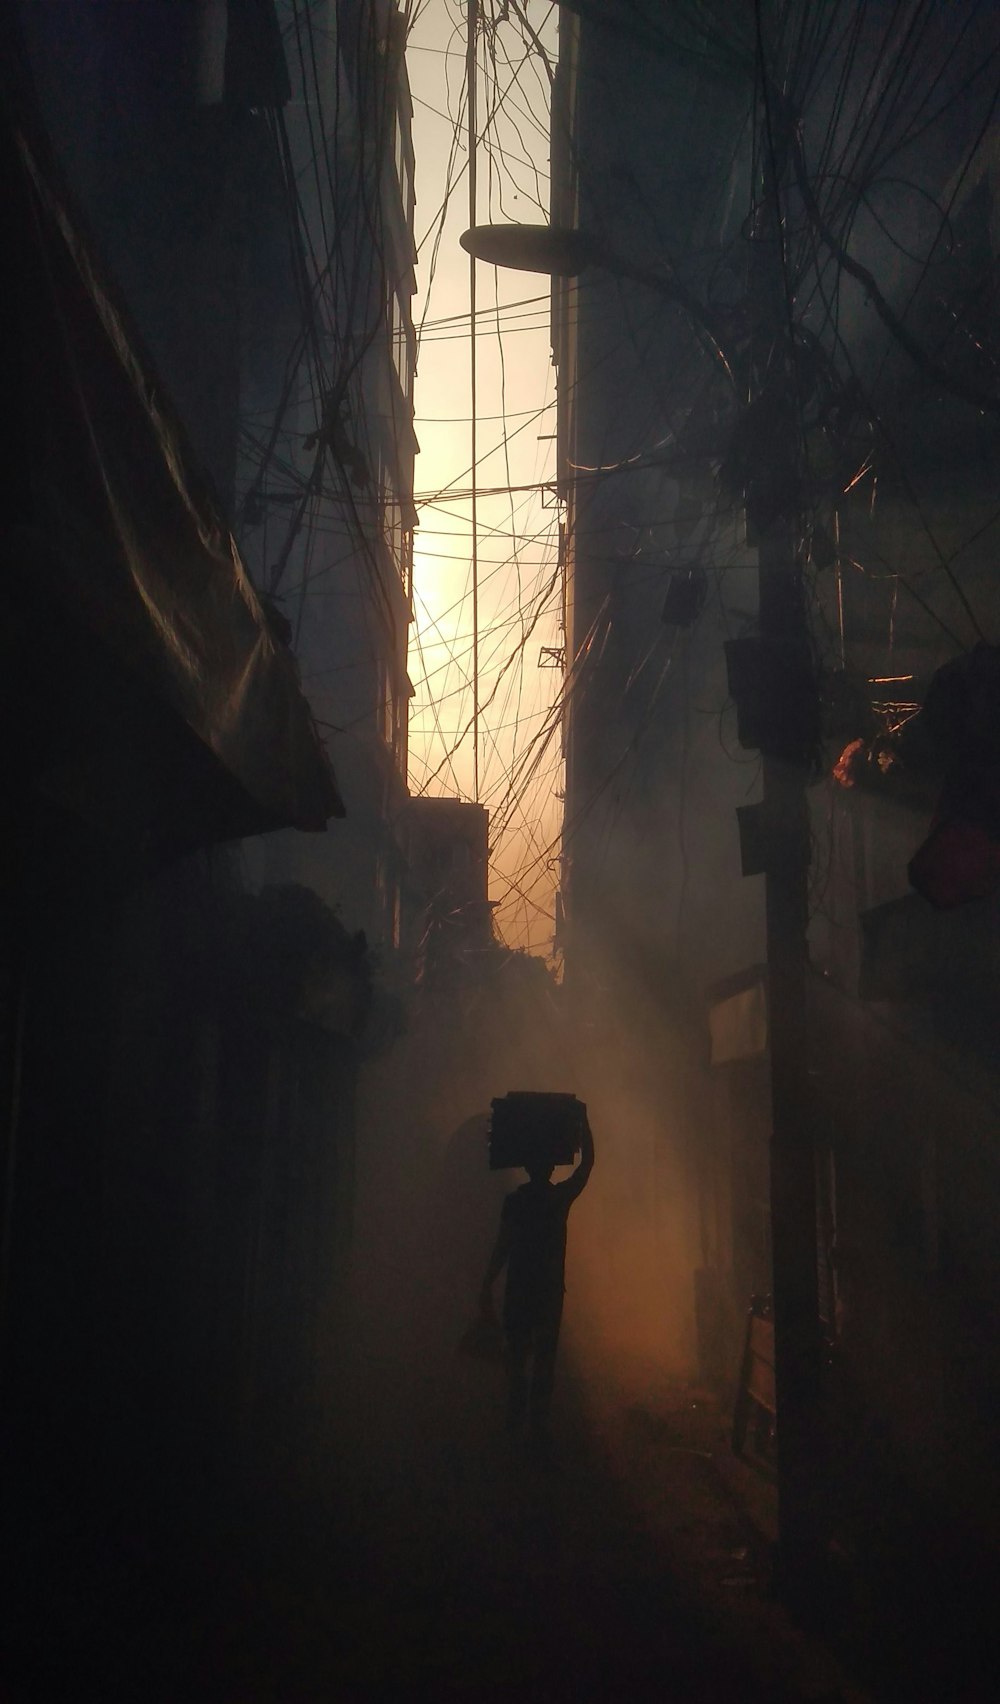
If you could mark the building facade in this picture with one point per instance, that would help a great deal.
(654, 910)
(327, 445)
(681, 445)
(247, 171)
(231, 333)
(177, 1121)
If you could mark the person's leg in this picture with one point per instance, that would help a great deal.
(543, 1368)
(517, 1350)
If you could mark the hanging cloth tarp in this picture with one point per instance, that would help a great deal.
(134, 550)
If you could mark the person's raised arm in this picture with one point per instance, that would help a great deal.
(576, 1184)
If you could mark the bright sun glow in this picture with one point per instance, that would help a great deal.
(520, 755)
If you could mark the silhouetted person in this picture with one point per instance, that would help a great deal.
(532, 1245)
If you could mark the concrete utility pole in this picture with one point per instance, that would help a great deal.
(788, 727)
(472, 78)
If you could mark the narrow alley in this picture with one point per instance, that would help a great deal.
(500, 953)
(449, 1565)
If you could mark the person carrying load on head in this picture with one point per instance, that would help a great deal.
(531, 1244)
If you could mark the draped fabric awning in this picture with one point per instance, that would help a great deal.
(133, 551)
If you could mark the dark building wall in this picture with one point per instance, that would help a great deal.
(903, 1074)
(264, 247)
(655, 906)
(153, 126)
(644, 175)
(128, 1254)
(178, 1171)
(327, 524)
(180, 1196)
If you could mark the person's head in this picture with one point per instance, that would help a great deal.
(539, 1173)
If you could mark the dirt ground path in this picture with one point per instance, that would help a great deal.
(447, 1565)
(426, 1557)
(444, 1564)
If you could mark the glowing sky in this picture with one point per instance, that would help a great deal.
(520, 772)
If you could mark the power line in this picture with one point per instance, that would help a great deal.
(463, 419)
(472, 77)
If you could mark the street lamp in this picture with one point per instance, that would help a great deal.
(561, 251)
(783, 655)
(558, 250)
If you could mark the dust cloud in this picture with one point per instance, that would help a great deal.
(428, 1206)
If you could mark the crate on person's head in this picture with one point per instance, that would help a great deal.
(530, 1128)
